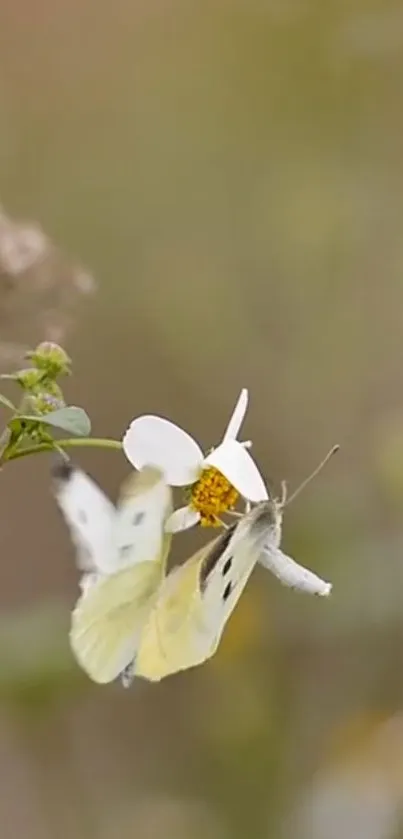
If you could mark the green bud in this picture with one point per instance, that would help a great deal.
(29, 379)
(51, 358)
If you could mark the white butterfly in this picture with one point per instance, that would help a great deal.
(132, 619)
(195, 601)
(122, 551)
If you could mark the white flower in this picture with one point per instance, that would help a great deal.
(216, 479)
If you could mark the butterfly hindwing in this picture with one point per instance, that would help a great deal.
(108, 619)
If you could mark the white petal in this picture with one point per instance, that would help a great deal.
(182, 519)
(237, 418)
(155, 441)
(293, 575)
(232, 459)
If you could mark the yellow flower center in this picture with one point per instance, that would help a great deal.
(211, 496)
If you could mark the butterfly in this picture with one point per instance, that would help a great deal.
(133, 619)
(122, 551)
(193, 605)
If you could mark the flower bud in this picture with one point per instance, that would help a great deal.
(51, 358)
(29, 379)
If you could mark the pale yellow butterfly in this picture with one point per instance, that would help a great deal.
(195, 601)
(182, 616)
(122, 551)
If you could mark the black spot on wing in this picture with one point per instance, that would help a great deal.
(124, 550)
(227, 566)
(227, 591)
(215, 554)
(138, 518)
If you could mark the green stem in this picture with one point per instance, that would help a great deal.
(69, 443)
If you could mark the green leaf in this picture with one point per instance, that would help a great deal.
(71, 419)
(6, 402)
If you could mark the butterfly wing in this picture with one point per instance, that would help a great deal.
(89, 515)
(174, 636)
(144, 503)
(196, 600)
(108, 618)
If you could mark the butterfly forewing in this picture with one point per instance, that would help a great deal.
(89, 515)
(144, 505)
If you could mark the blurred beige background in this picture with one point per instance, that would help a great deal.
(231, 173)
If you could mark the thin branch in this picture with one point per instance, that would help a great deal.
(69, 443)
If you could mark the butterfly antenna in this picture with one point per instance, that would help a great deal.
(311, 476)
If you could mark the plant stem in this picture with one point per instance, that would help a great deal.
(69, 443)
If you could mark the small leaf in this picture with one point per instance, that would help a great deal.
(71, 419)
(6, 402)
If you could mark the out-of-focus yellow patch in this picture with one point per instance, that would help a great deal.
(353, 739)
(247, 625)
(388, 456)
